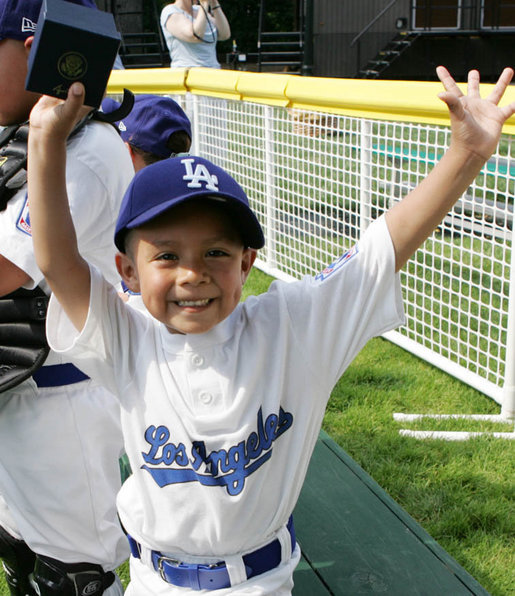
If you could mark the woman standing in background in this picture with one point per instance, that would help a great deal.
(191, 29)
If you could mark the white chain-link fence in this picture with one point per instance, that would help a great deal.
(316, 180)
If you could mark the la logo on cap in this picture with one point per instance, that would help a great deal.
(199, 176)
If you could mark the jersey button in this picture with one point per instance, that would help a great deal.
(205, 397)
(197, 360)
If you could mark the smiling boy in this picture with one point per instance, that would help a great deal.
(190, 263)
(222, 401)
(165, 256)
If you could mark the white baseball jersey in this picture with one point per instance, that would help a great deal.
(219, 427)
(59, 446)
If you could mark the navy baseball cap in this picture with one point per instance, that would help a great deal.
(171, 182)
(109, 105)
(150, 123)
(18, 18)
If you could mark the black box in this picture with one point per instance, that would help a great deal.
(72, 43)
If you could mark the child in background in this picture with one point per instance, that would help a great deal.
(156, 128)
(222, 401)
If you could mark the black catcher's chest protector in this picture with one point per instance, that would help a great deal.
(23, 345)
(13, 161)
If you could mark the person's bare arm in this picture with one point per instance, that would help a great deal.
(222, 24)
(53, 233)
(11, 276)
(182, 28)
(476, 126)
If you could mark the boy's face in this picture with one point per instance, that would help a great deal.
(15, 102)
(189, 265)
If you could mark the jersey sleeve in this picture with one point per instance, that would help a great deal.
(353, 299)
(106, 348)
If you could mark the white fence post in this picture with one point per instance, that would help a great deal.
(270, 231)
(365, 178)
(508, 392)
(195, 123)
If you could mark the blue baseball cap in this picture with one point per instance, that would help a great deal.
(109, 105)
(150, 123)
(18, 18)
(171, 182)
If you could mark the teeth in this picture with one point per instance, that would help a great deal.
(193, 302)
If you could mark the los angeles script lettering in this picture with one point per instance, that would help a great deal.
(224, 467)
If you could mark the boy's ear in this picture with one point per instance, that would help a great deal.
(137, 160)
(28, 44)
(249, 256)
(127, 271)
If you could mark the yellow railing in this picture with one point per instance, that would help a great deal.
(405, 101)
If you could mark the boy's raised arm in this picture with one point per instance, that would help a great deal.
(476, 126)
(53, 233)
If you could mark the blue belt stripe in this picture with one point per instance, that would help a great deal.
(57, 375)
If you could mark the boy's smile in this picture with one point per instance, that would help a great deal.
(189, 265)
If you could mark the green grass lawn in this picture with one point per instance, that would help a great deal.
(462, 493)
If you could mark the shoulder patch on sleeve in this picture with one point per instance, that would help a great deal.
(23, 221)
(340, 262)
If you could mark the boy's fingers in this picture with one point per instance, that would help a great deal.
(473, 83)
(76, 94)
(447, 81)
(77, 88)
(74, 104)
(453, 103)
(500, 87)
(508, 111)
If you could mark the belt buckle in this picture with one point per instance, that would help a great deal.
(215, 565)
(191, 574)
(164, 559)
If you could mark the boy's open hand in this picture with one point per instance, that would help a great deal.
(476, 123)
(56, 118)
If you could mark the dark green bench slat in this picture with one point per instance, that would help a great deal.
(307, 582)
(358, 540)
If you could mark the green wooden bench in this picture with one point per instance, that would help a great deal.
(357, 540)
